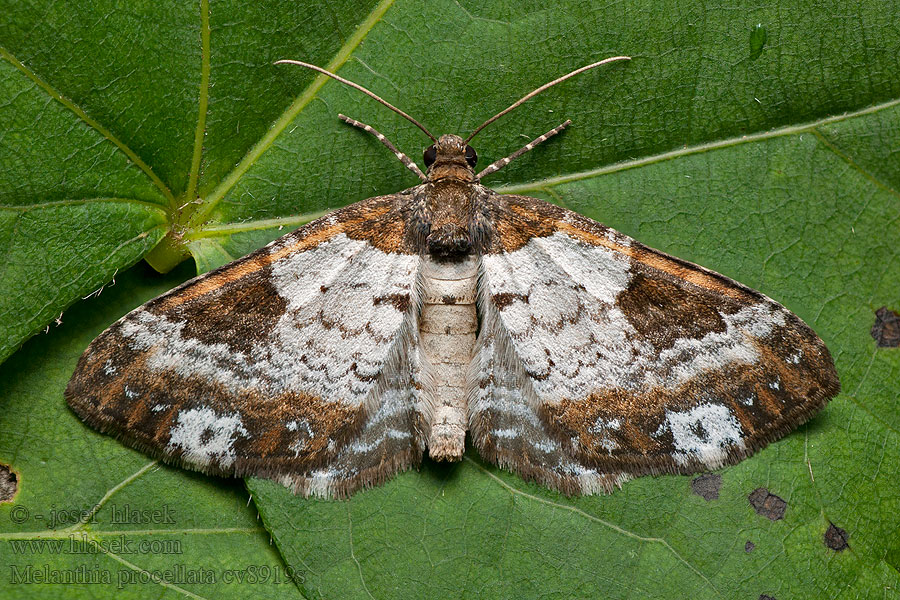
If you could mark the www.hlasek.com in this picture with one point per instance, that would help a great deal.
(82, 543)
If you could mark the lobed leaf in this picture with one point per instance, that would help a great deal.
(759, 141)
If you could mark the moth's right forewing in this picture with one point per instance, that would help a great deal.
(601, 356)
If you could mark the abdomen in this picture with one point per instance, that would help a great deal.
(447, 332)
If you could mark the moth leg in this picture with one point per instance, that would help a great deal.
(407, 161)
(497, 165)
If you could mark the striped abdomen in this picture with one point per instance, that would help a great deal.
(447, 332)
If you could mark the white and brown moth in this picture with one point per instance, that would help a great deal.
(330, 359)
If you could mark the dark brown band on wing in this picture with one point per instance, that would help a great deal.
(251, 306)
(663, 311)
(380, 221)
(792, 380)
(115, 390)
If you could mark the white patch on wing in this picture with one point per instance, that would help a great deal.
(335, 337)
(319, 482)
(603, 425)
(205, 436)
(571, 337)
(704, 432)
(508, 433)
(502, 405)
(564, 282)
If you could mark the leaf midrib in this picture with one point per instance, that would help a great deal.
(212, 200)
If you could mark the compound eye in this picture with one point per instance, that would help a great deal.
(429, 155)
(471, 156)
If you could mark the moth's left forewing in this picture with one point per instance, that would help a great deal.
(631, 361)
(295, 363)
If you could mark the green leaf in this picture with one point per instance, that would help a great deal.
(759, 142)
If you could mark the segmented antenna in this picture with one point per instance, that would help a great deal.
(531, 95)
(360, 88)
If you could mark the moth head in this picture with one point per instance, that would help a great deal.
(450, 156)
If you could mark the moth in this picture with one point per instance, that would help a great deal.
(573, 355)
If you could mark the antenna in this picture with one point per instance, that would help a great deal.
(363, 90)
(531, 95)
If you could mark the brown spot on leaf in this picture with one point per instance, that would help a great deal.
(9, 483)
(707, 486)
(767, 597)
(836, 538)
(886, 329)
(749, 546)
(767, 504)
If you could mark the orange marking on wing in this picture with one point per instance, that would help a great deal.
(743, 416)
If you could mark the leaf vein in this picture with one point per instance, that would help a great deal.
(590, 517)
(154, 578)
(696, 149)
(203, 101)
(86, 518)
(218, 230)
(343, 54)
(91, 122)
